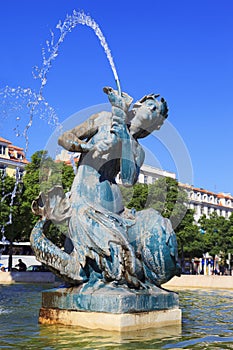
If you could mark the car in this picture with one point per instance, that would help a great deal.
(37, 268)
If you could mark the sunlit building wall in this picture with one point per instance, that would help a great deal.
(11, 158)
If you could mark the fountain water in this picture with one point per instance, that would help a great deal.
(16, 103)
(20, 106)
(12, 99)
(66, 27)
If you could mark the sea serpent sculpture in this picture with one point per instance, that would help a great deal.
(108, 242)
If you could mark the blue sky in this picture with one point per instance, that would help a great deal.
(180, 49)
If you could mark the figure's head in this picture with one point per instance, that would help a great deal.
(147, 115)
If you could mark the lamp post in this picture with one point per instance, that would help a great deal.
(229, 263)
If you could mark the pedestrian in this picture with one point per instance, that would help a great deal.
(21, 265)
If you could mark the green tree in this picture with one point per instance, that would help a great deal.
(168, 198)
(217, 234)
(31, 190)
(189, 238)
(164, 196)
(135, 197)
(158, 195)
(7, 184)
(10, 202)
(67, 177)
(42, 174)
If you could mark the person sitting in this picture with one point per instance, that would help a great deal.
(21, 265)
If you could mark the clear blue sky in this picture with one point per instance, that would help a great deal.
(180, 49)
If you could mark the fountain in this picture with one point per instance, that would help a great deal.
(115, 260)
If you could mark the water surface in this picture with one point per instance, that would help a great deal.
(207, 324)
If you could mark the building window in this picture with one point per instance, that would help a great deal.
(191, 195)
(19, 156)
(2, 168)
(145, 179)
(211, 199)
(2, 149)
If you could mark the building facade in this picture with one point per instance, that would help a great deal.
(200, 200)
(148, 174)
(12, 158)
(205, 202)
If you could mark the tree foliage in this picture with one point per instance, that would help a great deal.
(213, 235)
(31, 190)
(10, 200)
(189, 238)
(41, 174)
(164, 195)
(217, 234)
(170, 200)
(135, 197)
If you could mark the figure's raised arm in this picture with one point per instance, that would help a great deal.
(132, 154)
(75, 140)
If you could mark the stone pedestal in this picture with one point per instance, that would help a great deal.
(115, 309)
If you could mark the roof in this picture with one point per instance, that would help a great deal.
(15, 147)
(5, 140)
(224, 195)
(68, 161)
(202, 190)
(13, 159)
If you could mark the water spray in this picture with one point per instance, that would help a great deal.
(50, 54)
(118, 86)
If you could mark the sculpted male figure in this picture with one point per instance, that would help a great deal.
(107, 242)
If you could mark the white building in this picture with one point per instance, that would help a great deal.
(148, 174)
(207, 202)
(200, 200)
